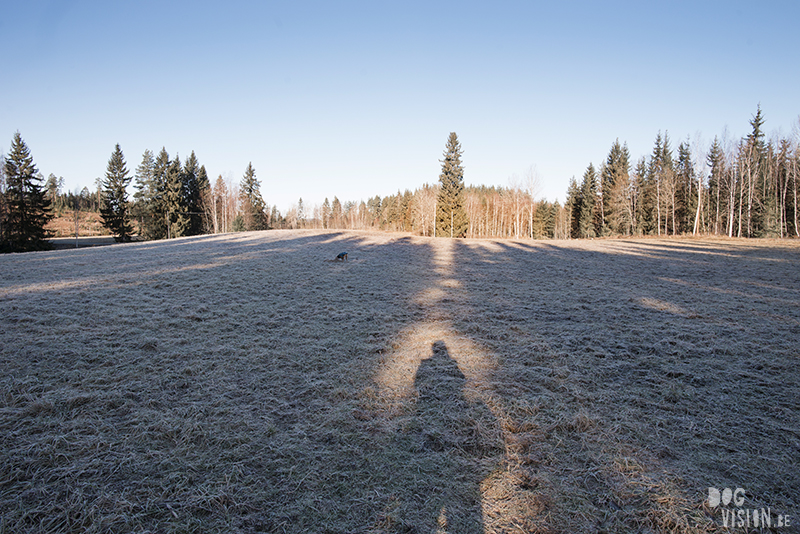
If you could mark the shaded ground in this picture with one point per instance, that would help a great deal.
(246, 383)
(81, 242)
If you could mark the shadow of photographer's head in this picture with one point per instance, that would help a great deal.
(438, 376)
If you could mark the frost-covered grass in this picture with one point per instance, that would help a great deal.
(248, 383)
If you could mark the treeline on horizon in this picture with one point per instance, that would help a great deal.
(746, 188)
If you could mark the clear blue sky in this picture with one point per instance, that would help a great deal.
(356, 99)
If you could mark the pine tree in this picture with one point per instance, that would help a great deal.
(161, 204)
(151, 195)
(201, 223)
(637, 196)
(783, 166)
(114, 207)
(659, 188)
(451, 215)
(686, 198)
(3, 206)
(374, 208)
(614, 180)
(573, 207)
(543, 220)
(27, 209)
(220, 206)
(668, 185)
(588, 204)
(301, 213)
(193, 184)
(190, 194)
(275, 218)
(336, 213)
(716, 196)
(326, 213)
(389, 213)
(144, 175)
(175, 200)
(253, 205)
(761, 208)
(406, 211)
(52, 192)
(551, 221)
(145, 196)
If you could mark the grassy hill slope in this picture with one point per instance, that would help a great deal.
(249, 383)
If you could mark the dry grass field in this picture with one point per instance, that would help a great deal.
(248, 383)
(89, 224)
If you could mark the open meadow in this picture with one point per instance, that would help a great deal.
(249, 383)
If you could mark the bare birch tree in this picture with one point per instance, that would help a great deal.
(533, 187)
(425, 209)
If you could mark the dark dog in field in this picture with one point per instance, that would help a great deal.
(342, 256)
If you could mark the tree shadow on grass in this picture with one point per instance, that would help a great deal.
(613, 357)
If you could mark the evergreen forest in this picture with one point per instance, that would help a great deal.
(745, 187)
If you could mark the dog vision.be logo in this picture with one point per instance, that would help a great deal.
(735, 514)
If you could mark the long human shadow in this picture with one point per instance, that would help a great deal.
(450, 441)
(259, 350)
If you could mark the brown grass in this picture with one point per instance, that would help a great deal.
(90, 224)
(244, 383)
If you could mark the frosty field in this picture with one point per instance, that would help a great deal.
(248, 383)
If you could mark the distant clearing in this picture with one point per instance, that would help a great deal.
(246, 383)
(90, 223)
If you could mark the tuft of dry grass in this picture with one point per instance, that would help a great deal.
(246, 383)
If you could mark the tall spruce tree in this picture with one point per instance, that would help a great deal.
(144, 175)
(190, 192)
(326, 213)
(573, 207)
(660, 188)
(614, 179)
(637, 196)
(114, 207)
(686, 197)
(151, 201)
(27, 209)
(175, 197)
(588, 204)
(161, 205)
(194, 182)
(301, 213)
(252, 203)
(716, 197)
(451, 215)
(144, 199)
(52, 192)
(336, 213)
(3, 207)
(201, 223)
(761, 205)
(374, 208)
(406, 205)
